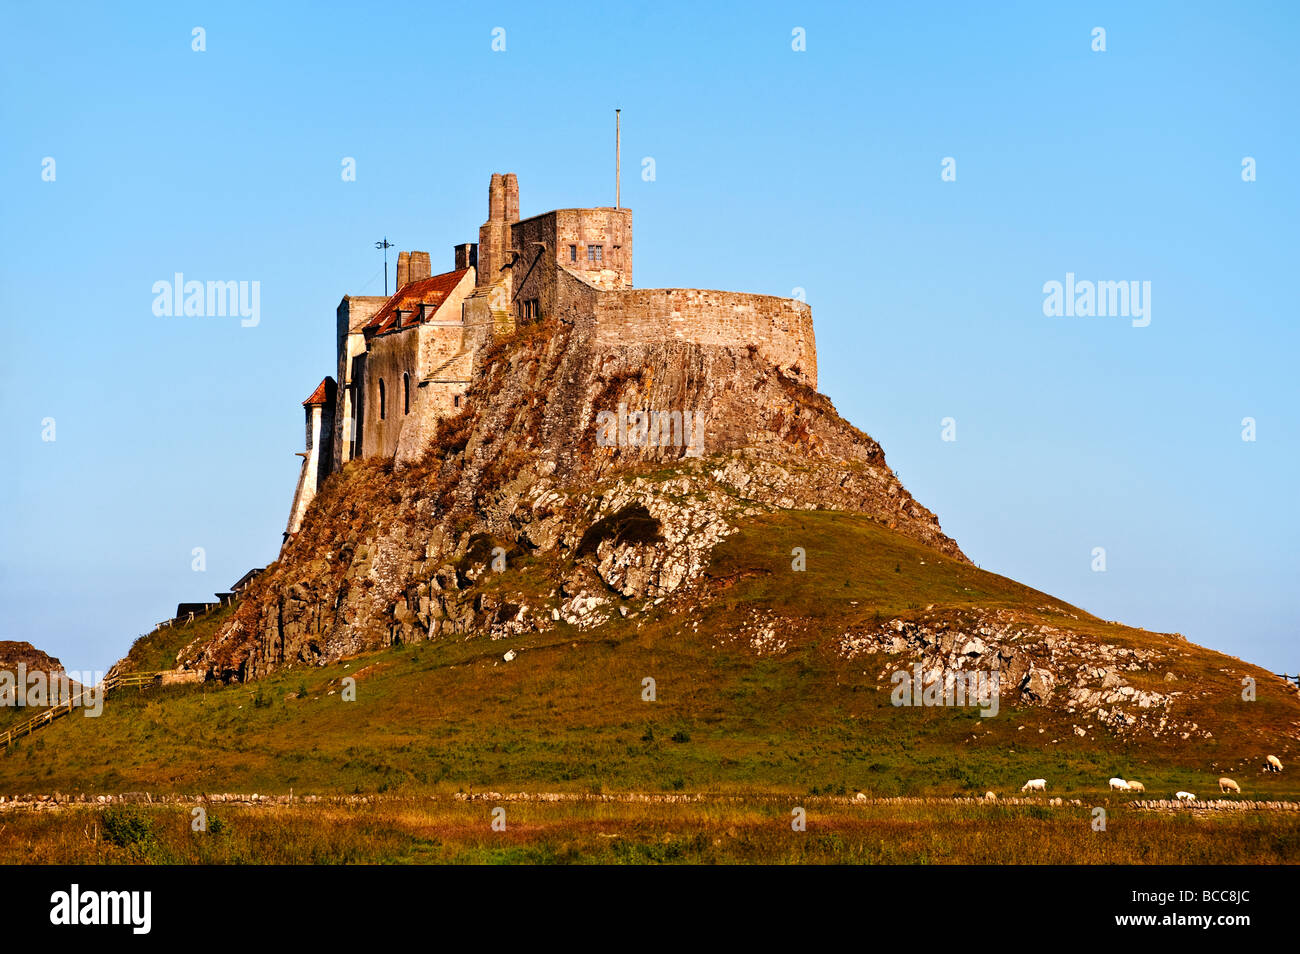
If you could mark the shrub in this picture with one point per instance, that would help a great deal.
(130, 829)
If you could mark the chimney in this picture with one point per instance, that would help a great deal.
(420, 267)
(491, 236)
(511, 185)
(496, 198)
(403, 269)
(466, 255)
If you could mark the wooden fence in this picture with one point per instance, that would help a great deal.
(138, 680)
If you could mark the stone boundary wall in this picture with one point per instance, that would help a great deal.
(780, 328)
(56, 800)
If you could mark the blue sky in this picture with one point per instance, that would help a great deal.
(775, 169)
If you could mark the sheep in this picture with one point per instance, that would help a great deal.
(1274, 764)
(1228, 785)
(1185, 796)
(1118, 785)
(1035, 785)
(1136, 786)
(990, 796)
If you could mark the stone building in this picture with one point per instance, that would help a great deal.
(406, 361)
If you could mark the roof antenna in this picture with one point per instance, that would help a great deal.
(385, 245)
(618, 160)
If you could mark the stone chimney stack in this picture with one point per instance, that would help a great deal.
(494, 235)
(403, 269)
(420, 266)
(466, 255)
(512, 198)
(496, 197)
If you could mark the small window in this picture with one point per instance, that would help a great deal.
(382, 409)
(406, 393)
(573, 253)
(457, 400)
(591, 252)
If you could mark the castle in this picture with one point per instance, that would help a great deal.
(406, 361)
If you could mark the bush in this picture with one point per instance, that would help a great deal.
(130, 829)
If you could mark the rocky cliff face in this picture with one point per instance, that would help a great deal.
(13, 653)
(537, 473)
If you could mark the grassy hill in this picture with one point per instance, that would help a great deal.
(566, 714)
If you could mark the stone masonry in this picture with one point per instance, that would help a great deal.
(405, 362)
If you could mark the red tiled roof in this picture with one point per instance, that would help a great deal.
(427, 291)
(323, 393)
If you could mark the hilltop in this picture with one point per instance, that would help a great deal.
(502, 601)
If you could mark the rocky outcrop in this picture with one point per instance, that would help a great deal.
(13, 653)
(531, 470)
(1038, 665)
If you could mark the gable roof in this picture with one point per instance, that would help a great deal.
(427, 291)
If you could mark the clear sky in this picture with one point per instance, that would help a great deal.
(775, 169)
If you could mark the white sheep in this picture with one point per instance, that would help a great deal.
(1118, 785)
(1035, 785)
(1228, 785)
(1274, 764)
(1185, 796)
(1136, 786)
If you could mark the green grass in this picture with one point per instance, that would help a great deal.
(156, 651)
(567, 714)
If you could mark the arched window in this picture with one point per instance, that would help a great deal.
(382, 408)
(406, 393)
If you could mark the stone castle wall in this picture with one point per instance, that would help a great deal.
(781, 329)
(527, 270)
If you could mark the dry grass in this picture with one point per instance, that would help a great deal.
(746, 830)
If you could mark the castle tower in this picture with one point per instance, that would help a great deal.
(317, 460)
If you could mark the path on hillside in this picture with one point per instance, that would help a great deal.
(139, 680)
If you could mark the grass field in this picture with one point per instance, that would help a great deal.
(747, 830)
